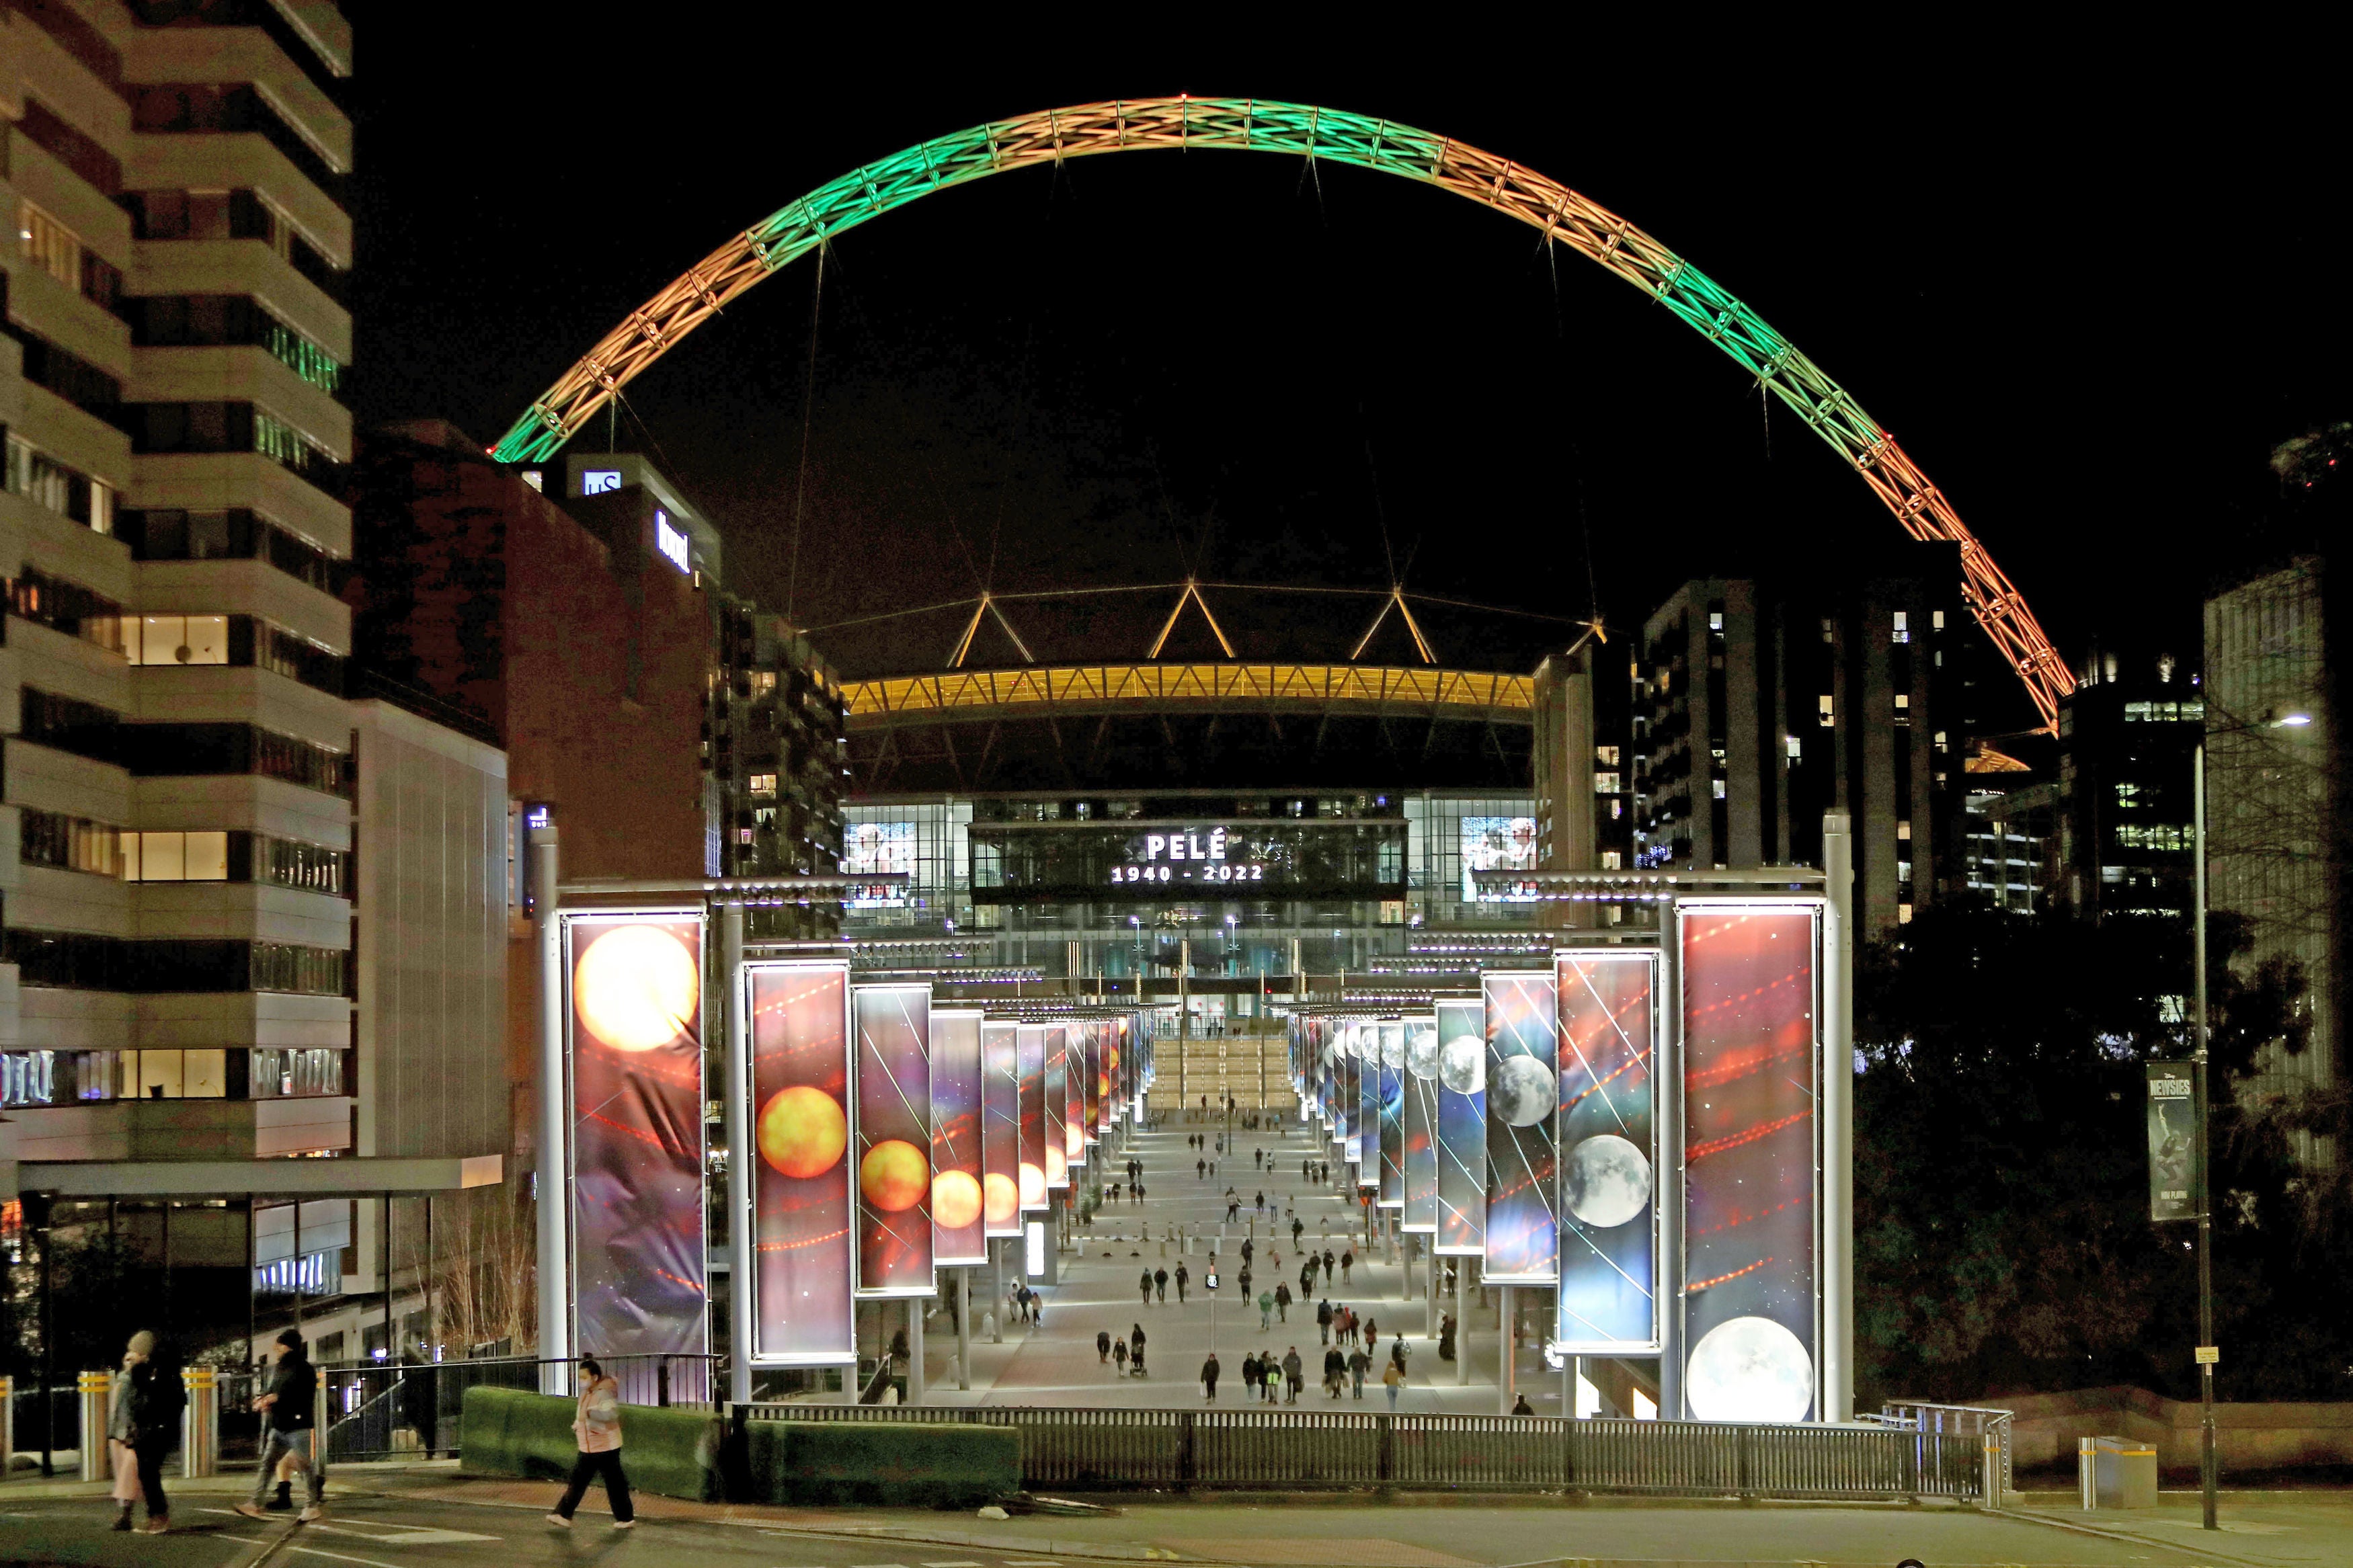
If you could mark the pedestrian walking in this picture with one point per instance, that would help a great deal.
(1210, 1378)
(1254, 1378)
(1282, 1301)
(1296, 1227)
(1243, 1280)
(1398, 1352)
(1334, 1368)
(1393, 1379)
(1271, 1377)
(1102, 1345)
(1521, 1406)
(1200, 1170)
(1145, 1285)
(1160, 1285)
(142, 1426)
(1265, 1310)
(1233, 1211)
(596, 1430)
(1135, 1343)
(1118, 1356)
(1347, 1258)
(1327, 1266)
(1359, 1363)
(1291, 1366)
(1183, 1277)
(1250, 1249)
(1323, 1321)
(290, 1416)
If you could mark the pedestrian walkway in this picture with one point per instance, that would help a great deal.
(1098, 1293)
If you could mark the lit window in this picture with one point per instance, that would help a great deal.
(763, 783)
(1940, 739)
(176, 856)
(1904, 870)
(1609, 860)
(1829, 712)
(175, 639)
(1904, 830)
(1719, 788)
(1605, 784)
(1936, 620)
(1715, 620)
(1902, 626)
(1903, 914)
(1606, 755)
(1796, 748)
(49, 245)
(1903, 700)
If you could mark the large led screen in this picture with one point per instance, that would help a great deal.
(879, 848)
(1461, 1129)
(1001, 1128)
(956, 1197)
(1392, 1114)
(802, 1206)
(895, 1139)
(1495, 844)
(1749, 1066)
(1058, 1107)
(1609, 1154)
(1420, 1132)
(1031, 1048)
(1523, 1107)
(635, 1012)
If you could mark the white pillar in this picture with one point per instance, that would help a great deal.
(1506, 1367)
(1462, 1323)
(997, 1288)
(963, 1329)
(915, 1350)
(1838, 1118)
(1667, 1085)
(554, 1122)
(734, 1099)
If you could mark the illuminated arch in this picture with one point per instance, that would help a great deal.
(1562, 216)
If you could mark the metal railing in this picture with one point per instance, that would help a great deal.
(378, 1410)
(1989, 1427)
(1074, 1448)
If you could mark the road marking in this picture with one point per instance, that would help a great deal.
(340, 1557)
(951, 1565)
(414, 1535)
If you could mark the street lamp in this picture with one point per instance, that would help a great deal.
(2207, 1352)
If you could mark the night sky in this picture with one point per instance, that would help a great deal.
(2089, 283)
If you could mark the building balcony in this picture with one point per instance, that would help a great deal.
(184, 1129)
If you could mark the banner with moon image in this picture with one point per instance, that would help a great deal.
(1462, 1128)
(1609, 1152)
(635, 1012)
(956, 1235)
(1030, 1041)
(1351, 1063)
(1000, 1128)
(1420, 1131)
(893, 1031)
(802, 1206)
(1751, 1064)
(1392, 1113)
(1057, 1106)
(1523, 1107)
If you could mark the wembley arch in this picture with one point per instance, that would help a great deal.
(1564, 217)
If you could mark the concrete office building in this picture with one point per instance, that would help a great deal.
(2121, 817)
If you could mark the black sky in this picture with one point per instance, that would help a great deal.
(2089, 281)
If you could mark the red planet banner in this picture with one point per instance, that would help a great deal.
(956, 1199)
(801, 1199)
(893, 1028)
(1000, 1128)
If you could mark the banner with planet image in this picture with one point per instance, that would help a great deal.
(1523, 1105)
(1074, 1084)
(1029, 1042)
(1462, 1128)
(802, 1204)
(1418, 1136)
(1610, 1154)
(1368, 1106)
(1090, 1037)
(1349, 1083)
(636, 1010)
(1751, 1061)
(893, 1031)
(956, 1194)
(1001, 1128)
(1057, 1106)
(1392, 1114)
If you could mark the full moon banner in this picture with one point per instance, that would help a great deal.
(1392, 1114)
(956, 1193)
(1609, 1154)
(1522, 1104)
(801, 1201)
(1420, 1126)
(1001, 1128)
(1058, 1107)
(1030, 1049)
(1750, 1066)
(1461, 1129)
(893, 1027)
(636, 1013)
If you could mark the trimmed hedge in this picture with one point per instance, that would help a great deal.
(685, 1454)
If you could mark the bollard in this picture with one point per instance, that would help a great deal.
(7, 1426)
(200, 1423)
(2087, 1472)
(97, 1390)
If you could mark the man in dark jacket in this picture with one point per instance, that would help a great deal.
(1292, 1367)
(1209, 1376)
(290, 1411)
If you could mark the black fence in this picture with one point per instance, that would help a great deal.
(1216, 1449)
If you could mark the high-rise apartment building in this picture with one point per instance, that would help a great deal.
(2121, 817)
(777, 760)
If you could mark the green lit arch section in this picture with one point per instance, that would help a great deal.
(1563, 216)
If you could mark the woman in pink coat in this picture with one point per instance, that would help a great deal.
(596, 1428)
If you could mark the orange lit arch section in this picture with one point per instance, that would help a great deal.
(1564, 217)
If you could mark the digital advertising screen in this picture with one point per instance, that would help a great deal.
(1496, 844)
(1609, 1152)
(1030, 1043)
(1420, 1131)
(893, 1027)
(1750, 1070)
(1000, 1128)
(958, 1236)
(1523, 1105)
(1462, 1128)
(878, 849)
(1392, 1114)
(802, 1204)
(635, 1010)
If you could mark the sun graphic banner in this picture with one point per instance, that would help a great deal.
(893, 1033)
(802, 1206)
(1421, 1130)
(957, 1237)
(634, 1005)
(1058, 1107)
(1000, 1128)
(1392, 1113)
(1523, 1105)
(1031, 1047)
(1367, 1144)
(1462, 1128)
(1074, 1107)
(1089, 1039)
(1751, 1067)
(1609, 1154)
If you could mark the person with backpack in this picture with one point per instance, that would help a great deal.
(1210, 1378)
(142, 1426)
(1265, 1310)
(596, 1429)
(1160, 1285)
(291, 1411)
(1359, 1363)
(1324, 1321)
(1291, 1370)
(1270, 1375)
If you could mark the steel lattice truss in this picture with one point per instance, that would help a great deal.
(1563, 216)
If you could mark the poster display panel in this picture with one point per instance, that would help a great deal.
(1030, 1044)
(1419, 1139)
(1074, 1114)
(1461, 1129)
(894, 1024)
(1392, 1114)
(2173, 1175)
(1058, 1107)
(1001, 1128)
(1523, 1111)
(1750, 1068)
(635, 1013)
(1609, 1154)
(1091, 1078)
(958, 1236)
(1368, 1105)
(802, 1311)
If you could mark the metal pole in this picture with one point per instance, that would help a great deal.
(914, 1349)
(736, 1108)
(1462, 1323)
(2206, 1468)
(1184, 1022)
(997, 1291)
(554, 1185)
(1668, 1085)
(964, 1329)
(1838, 1118)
